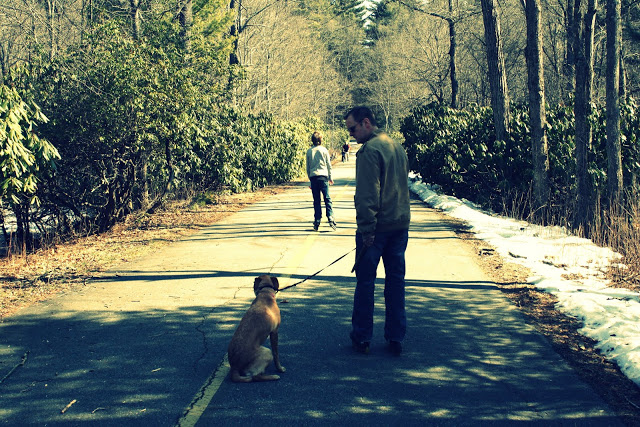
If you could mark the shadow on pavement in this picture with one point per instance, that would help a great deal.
(122, 368)
(467, 361)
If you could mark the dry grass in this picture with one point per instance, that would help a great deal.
(617, 227)
(620, 230)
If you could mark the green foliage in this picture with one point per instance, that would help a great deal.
(135, 124)
(457, 150)
(113, 102)
(242, 152)
(213, 18)
(25, 158)
(127, 118)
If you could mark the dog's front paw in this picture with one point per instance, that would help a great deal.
(280, 368)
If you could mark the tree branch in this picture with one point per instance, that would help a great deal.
(449, 19)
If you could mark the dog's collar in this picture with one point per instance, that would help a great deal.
(266, 286)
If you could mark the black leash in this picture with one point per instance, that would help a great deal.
(317, 272)
(358, 258)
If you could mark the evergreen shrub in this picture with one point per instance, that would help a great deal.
(457, 150)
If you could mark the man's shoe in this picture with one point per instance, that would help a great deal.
(316, 225)
(395, 347)
(360, 346)
(332, 223)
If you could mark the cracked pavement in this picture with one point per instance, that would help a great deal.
(142, 346)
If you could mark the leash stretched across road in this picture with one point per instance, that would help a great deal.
(320, 271)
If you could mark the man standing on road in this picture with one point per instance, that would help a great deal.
(345, 151)
(319, 173)
(382, 216)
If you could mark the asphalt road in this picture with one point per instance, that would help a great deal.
(146, 347)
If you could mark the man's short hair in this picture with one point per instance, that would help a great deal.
(361, 113)
(316, 138)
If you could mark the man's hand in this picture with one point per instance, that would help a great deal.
(367, 239)
(330, 182)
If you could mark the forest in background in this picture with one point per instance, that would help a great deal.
(110, 107)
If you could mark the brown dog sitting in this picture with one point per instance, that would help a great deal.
(247, 356)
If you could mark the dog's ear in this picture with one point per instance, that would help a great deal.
(274, 282)
(256, 281)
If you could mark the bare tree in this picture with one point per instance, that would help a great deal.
(243, 22)
(452, 58)
(585, 14)
(453, 43)
(537, 113)
(287, 68)
(30, 27)
(136, 31)
(495, 64)
(185, 17)
(614, 156)
(236, 6)
(52, 27)
(411, 63)
(572, 32)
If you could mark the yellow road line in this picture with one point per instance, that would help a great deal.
(202, 399)
(344, 189)
(295, 263)
(297, 260)
(204, 396)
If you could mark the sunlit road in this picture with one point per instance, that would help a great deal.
(147, 346)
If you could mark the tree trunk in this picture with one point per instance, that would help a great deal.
(614, 150)
(118, 193)
(583, 50)
(172, 174)
(622, 94)
(186, 21)
(570, 59)
(135, 19)
(495, 63)
(51, 16)
(452, 58)
(23, 240)
(267, 83)
(233, 32)
(3, 63)
(537, 112)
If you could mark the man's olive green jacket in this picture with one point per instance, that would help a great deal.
(382, 188)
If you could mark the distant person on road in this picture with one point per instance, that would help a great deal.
(319, 173)
(345, 151)
(382, 217)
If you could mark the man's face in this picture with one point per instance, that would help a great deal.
(359, 131)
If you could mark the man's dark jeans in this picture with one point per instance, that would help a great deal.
(391, 247)
(321, 186)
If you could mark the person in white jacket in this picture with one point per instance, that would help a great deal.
(319, 173)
